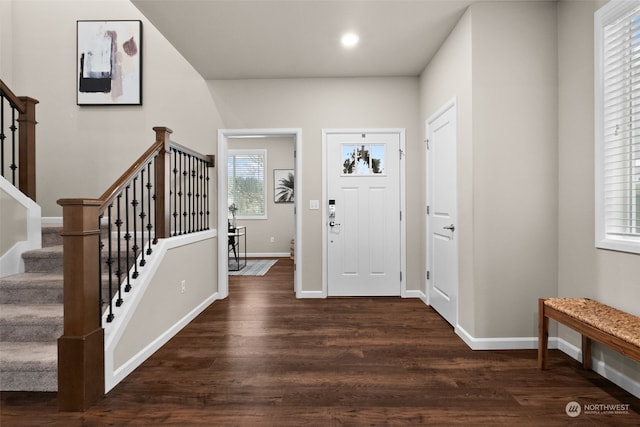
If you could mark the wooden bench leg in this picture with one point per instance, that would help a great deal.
(586, 352)
(543, 336)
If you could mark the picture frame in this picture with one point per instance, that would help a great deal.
(109, 62)
(283, 185)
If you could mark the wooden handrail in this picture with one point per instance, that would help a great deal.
(117, 187)
(81, 347)
(26, 107)
(13, 99)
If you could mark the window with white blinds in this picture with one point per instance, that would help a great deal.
(247, 183)
(617, 132)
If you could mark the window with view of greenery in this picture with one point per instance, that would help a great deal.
(247, 185)
(617, 136)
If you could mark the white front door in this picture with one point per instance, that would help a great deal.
(442, 252)
(363, 214)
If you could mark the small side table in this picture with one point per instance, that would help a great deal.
(238, 247)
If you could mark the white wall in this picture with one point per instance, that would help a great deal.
(448, 75)
(82, 150)
(500, 63)
(515, 169)
(6, 41)
(610, 277)
(314, 104)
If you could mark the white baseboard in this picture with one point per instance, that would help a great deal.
(503, 343)
(412, 293)
(618, 378)
(269, 255)
(310, 294)
(52, 220)
(519, 343)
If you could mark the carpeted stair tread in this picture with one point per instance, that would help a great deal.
(29, 355)
(32, 288)
(51, 235)
(49, 259)
(30, 314)
(28, 366)
(31, 323)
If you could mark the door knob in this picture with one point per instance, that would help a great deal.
(451, 227)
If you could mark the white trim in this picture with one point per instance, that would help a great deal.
(113, 330)
(503, 343)
(403, 203)
(11, 262)
(310, 294)
(452, 103)
(52, 220)
(413, 293)
(529, 343)
(265, 167)
(268, 255)
(223, 149)
(607, 14)
(618, 378)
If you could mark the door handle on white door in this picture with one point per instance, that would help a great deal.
(451, 227)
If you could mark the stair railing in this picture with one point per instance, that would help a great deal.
(106, 243)
(18, 139)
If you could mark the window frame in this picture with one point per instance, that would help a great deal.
(260, 152)
(606, 239)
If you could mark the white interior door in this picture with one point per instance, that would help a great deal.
(363, 221)
(442, 252)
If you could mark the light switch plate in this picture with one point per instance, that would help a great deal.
(314, 204)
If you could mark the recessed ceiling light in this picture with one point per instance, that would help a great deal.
(350, 39)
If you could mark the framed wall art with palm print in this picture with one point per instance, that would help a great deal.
(283, 182)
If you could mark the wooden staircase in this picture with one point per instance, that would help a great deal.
(31, 318)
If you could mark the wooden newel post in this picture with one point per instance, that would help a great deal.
(27, 148)
(81, 348)
(162, 180)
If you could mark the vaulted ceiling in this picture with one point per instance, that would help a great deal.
(242, 39)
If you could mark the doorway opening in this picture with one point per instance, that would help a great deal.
(230, 139)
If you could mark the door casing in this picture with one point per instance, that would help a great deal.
(221, 166)
(451, 105)
(358, 131)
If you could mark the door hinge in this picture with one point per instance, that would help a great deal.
(427, 142)
(400, 215)
(427, 209)
(428, 274)
(401, 276)
(401, 153)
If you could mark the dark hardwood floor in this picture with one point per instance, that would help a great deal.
(262, 357)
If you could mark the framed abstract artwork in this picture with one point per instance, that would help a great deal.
(109, 63)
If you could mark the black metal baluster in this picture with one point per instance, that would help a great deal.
(175, 192)
(13, 129)
(184, 185)
(118, 224)
(142, 216)
(206, 203)
(109, 264)
(100, 247)
(149, 217)
(192, 200)
(135, 248)
(199, 195)
(127, 237)
(155, 208)
(2, 135)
